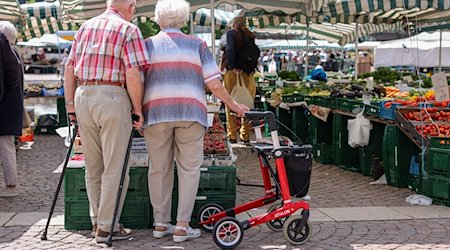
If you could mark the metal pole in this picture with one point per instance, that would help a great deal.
(356, 48)
(213, 30)
(440, 50)
(307, 48)
(191, 23)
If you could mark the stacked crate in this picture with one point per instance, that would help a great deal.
(217, 185)
(436, 177)
(397, 153)
(373, 149)
(342, 152)
(136, 212)
(320, 136)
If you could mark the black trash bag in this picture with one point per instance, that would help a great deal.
(298, 170)
(47, 120)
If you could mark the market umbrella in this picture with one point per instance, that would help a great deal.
(11, 11)
(43, 9)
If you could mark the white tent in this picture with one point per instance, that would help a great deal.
(47, 40)
(411, 53)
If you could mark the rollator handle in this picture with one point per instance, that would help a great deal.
(255, 116)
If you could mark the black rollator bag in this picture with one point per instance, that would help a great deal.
(298, 170)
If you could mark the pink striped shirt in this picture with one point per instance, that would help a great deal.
(105, 47)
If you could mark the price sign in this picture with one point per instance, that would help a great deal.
(440, 86)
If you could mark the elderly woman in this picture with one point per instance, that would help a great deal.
(11, 106)
(181, 66)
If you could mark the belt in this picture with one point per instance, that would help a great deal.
(95, 82)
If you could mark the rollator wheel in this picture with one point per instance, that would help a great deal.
(277, 224)
(228, 233)
(294, 234)
(205, 212)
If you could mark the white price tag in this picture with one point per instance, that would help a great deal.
(440, 86)
(210, 119)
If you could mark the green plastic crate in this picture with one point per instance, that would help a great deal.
(75, 185)
(284, 117)
(373, 148)
(341, 149)
(436, 186)
(372, 110)
(439, 161)
(347, 104)
(61, 108)
(301, 123)
(413, 182)
(214, 180)
(136, 214)
(226, 201)
(397, 152)
(323, 153)
(320, 131)
(439, 142)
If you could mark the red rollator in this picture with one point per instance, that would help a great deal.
(293, 172)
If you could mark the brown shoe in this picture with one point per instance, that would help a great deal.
(122, 234)
(94, 230)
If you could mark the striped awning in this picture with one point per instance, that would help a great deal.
(383, 10)
(300, 44)
(79, 10)
(334, 33)
(10, 11)
(221, 18)
(42, 9)
(36, 27)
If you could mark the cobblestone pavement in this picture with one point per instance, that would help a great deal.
(331, 187)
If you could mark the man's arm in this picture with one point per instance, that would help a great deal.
(69, 91)
(217, 88)
(135, 90)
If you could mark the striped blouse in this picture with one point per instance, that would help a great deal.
(180, 65)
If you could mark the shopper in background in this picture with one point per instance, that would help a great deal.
(106, 67)
(11, 106)
(181, 66)
(234, 46)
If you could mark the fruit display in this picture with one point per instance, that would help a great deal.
(214, 141)
(426, 122)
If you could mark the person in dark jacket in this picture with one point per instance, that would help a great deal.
(234, 45)
(11, 106)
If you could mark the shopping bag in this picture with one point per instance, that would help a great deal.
(241, 94)
(359, 131)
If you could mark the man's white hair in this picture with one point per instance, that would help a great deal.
(172, 13)
(120, 2)
(9, 31)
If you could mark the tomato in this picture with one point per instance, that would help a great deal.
(388, 105)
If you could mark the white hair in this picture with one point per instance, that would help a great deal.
(172, 13)
(120, 2)
(9, 31)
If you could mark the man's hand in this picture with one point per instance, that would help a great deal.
(138, 123)
(71, 114)
(239, 109)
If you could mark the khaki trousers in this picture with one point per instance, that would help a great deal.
(8, 159)
(184, 141)
(104, 117)
(230, 81)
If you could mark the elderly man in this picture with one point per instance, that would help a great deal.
(105, 61)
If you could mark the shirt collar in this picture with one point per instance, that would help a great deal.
(171, 30)
(114, 11)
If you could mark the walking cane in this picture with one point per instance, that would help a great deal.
(55, 197)
(122, 179)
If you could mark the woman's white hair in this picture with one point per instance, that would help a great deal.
(172, 13)
(9, 31)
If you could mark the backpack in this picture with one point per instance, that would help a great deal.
(247, 56)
